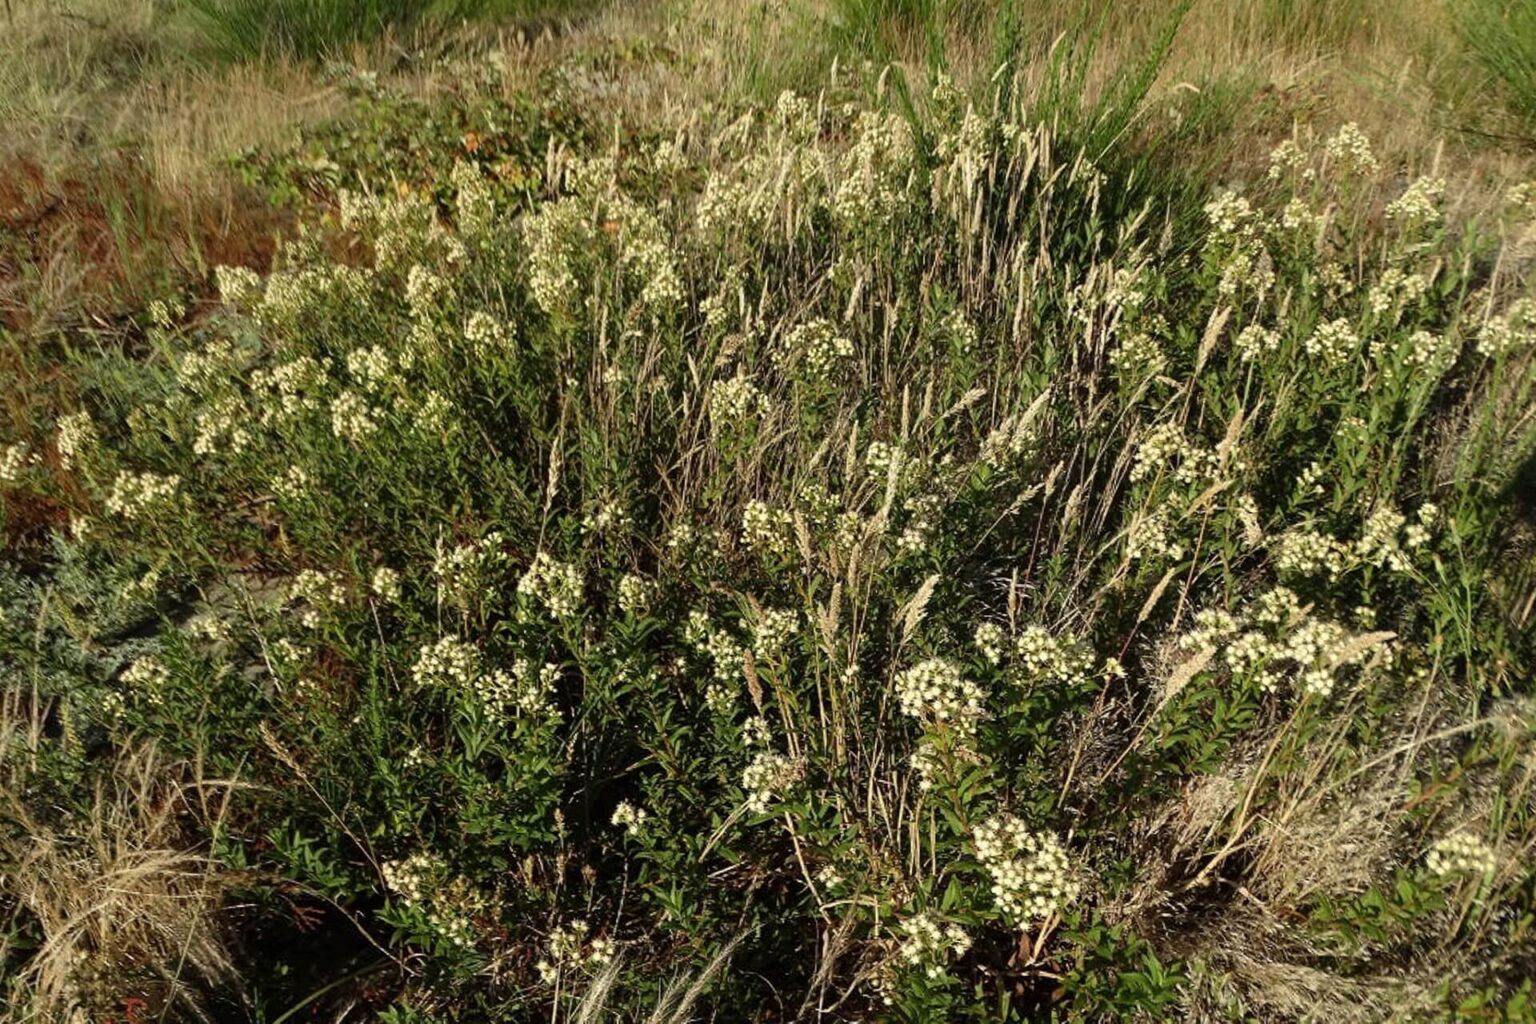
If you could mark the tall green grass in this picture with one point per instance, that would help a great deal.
(243, 29)
(1501, 36)
(1328, 25)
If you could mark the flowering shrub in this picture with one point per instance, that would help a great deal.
(862, 541)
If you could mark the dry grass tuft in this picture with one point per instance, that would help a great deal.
(122, 907)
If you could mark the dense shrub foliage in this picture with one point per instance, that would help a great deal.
(874, 545)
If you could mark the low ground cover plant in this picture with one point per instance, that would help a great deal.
(863, 549)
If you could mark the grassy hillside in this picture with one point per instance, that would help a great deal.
(871, 510)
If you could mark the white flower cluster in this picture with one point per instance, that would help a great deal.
(569, 950)
(736, 400)
(1419, 203)
(1031, 873)
(1045, 656)
(1514, 331)
(419, 881)
(647, 254)
(239, 287)
(882, 459)
(374, 369)
(414, 877)
(399, 224)
(636, 594)
(385, 585)
(755, 731)
(536, 689)
(1153, 536)
(922, 521)
(1395, 290)
(819, 347)
(1350, 148)
(768, 777)
(1302, 552)
(317, 591)
(606, 517)
(726, 654)
(960, 330)
(1237, 243)
(553, 235)
(138, 495)
(449, 663)
(1429, 351)
(1286, 158)
(773, 630)
(1521, 198)
(1336, 281)
(1138, 357)
(221, 427)
(872, 186)
(1231, 215)
(630, 818)
(1211, 626)
(682, 538)
(526, 690)
(292, 484)
(728, 204)
(148, 677)
(208, 369)
(210, 627)
(931, 942)
(295, 297)
(467, 571)
(1166, 448)
(1388, 537)
(935, 691)
(425, 291)
(289, 389)
(164, 314)
(76, 436)
(352, 418)
(765, 530)
(487, 334)
(989, 640)
(796, 115)
(1248, 266)
(1332, 342)
(555, 584)
(1460, 853)
(474, 205)
(1274, 641)
(1296, 216)
(1387, 541)
(14, 459)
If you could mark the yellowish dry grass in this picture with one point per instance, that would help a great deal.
(124, 906)
(1392, 66)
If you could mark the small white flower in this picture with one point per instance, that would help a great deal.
(14, 459)
(766, 530)
(75, 438)
(768, 777)
(935, 691)
(385, 585)
(139, 495)
(1461, 853)
(1031, 874)
(555, 584)
(630, 818)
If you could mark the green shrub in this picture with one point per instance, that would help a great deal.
(890, 546)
